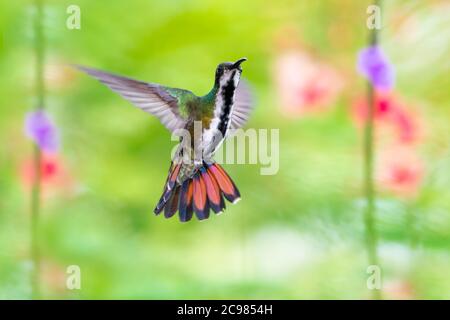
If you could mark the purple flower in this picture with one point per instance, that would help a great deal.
(41, 130)
(375, 66)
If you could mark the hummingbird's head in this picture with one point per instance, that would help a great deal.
(229, 71)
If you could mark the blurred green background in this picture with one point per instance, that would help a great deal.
(298, 234)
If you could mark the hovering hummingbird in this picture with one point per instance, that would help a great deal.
(199, 184)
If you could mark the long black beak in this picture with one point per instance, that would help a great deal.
(238, 63)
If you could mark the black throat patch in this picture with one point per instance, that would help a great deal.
(227, 96)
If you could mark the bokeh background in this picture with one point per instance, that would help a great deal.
(295, 235)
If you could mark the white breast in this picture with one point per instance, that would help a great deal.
(212, 137)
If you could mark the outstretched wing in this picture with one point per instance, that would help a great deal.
(243, 106)
(155, 99)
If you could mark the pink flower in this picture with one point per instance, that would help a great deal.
(384, 108)
(400, 171)
(54, 175)
(399, 290)
(407, 126)
(391, 116)
(305, 84)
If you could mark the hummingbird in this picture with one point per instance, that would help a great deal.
(195, 182)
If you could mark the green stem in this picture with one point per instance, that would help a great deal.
(371, 232)
(35, 208)
(37, 154)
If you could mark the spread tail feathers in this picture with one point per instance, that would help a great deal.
(205, 190)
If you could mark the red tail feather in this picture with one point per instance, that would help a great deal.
(185, 206)
(201, 207)
(204, 190)
(172, 204)
(213, 191)
(173, 176)
(168, 187)
(230, 192)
